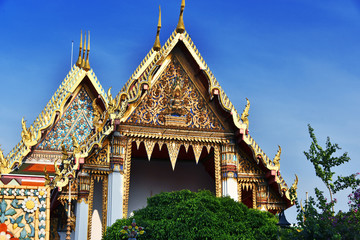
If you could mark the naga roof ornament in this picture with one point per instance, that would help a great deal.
(157, 45)
(181, 27)
(245, 114)
(276, 160)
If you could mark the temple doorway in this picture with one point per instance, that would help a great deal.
(148, 178)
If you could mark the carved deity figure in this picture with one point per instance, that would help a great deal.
(176, 102)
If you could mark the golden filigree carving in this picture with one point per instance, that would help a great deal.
(173, 148)
(276, 160)
(175, 101)
(197, 148)
(127, 178)
(245, 165)
(217, 170)
(149, 146)
(254, 196)
(245, 114)
(99, 158)
(105, 203)
(91, 202)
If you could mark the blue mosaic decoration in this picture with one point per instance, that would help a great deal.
(77, 120)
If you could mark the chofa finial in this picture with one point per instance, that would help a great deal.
(78, 62)
(157, 45)
(87, 64)
(84, 51)
(83, 62)
(181, 27)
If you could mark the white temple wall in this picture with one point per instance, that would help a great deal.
(150, 178)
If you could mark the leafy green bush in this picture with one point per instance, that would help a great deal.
(190, 215)
(318, 220)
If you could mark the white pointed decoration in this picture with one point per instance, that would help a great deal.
(160, 143)
(197, 148)
(186, 145)
(173, 149)
(149, 147)
(137, 144)
(208, 147)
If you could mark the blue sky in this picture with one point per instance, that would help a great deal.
(297, 62)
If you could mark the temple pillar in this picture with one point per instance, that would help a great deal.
(82, 207)
(115, 193)
(229, 171)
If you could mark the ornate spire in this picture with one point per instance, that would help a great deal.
(78, 62)
(87, 64)
(157, 45)
(181, 27)
(83, 58)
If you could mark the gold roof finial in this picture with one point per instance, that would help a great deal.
(87, 64)
(157, 45)
(181, 27)
(78, 62)
(83, 58)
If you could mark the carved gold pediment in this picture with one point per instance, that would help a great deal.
(175, 101)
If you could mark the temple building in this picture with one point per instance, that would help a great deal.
(170, 127)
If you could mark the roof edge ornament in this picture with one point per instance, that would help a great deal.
(276, 160)
(157, 45)
(245, 114)
(78, 62)
(181, 27)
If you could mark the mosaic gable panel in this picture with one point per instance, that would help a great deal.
(77, 120)
(175, 101)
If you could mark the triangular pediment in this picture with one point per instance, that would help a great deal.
(76, 121)
(174, 100)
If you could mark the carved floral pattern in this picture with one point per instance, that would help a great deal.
(175, 101)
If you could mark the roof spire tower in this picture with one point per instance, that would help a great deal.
(157, 45)
(87, 64)
(78, 62)
(83, 58)
(181, 27)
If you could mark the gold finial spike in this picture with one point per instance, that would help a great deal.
(181, 27)
(84, 51)
(87, 64)
(78, 62)
(157, 45)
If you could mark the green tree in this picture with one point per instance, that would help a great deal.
(198, 215)
(317, 220)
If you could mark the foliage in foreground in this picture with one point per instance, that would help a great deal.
(317, 219)
(190, 215)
